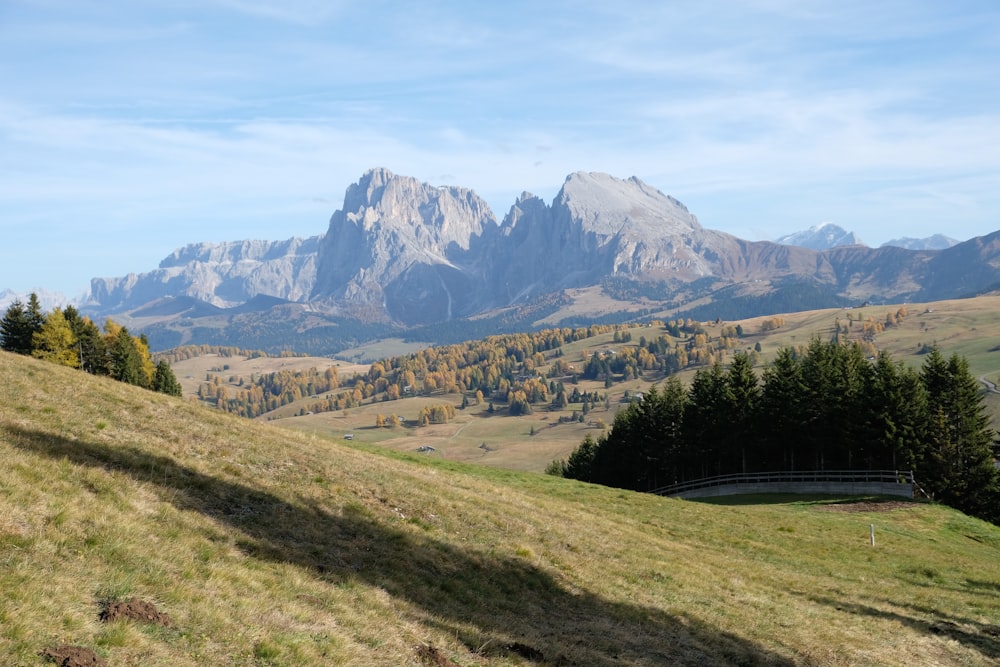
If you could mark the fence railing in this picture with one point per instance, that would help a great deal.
(791, 477)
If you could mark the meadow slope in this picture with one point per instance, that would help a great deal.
(269, 546)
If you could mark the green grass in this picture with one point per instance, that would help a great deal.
(274, 547)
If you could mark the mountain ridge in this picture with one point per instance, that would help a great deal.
(401, 253)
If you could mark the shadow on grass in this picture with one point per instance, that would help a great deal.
(981, 637)
(510, 603)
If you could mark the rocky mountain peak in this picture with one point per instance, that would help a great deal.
(395, 227)
(381, 199)
(823, 236)
(607, 205)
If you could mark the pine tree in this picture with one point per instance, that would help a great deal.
(164, 380)
(126, 363)
(850, 407)
(958, 466)
(35, 315)
(705, 424)
(90, 346)
(897, 416)
(822, 433)
(782, 413)
(580, 464)
(740, 401)
(15, 330)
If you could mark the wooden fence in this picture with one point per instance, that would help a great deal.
(848, 482)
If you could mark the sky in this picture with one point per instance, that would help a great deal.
(130, 128)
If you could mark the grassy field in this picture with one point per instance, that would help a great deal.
(969, 327)
(273, 547)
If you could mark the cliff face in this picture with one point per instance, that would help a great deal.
(222, 274)
(404, 247)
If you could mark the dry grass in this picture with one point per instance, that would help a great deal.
(271, 547)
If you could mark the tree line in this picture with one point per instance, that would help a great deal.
(506, 368)
(827, 406)
(64, 337)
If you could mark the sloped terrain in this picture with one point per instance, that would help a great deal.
(270, 547)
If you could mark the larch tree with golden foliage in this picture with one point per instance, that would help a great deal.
(55, 341)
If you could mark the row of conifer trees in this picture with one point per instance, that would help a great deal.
(823, 407)
(65, 337)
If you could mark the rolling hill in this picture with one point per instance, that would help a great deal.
(963, 326)
(263, 546)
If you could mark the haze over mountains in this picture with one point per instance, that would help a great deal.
(401, 254)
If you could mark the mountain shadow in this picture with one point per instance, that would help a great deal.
(516, 607)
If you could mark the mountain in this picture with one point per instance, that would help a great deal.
(46, 298)
(404, 250)
(823, 236)
(403, 257)
(935, 242)
(221, 274)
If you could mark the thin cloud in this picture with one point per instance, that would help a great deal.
(250, 118)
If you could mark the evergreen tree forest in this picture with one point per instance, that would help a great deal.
(825, 407)
(64, 337)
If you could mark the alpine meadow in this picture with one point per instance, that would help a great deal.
(278, 542)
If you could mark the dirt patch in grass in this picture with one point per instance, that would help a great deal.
(134, 609)
(73, 656)
(868, 506)
(430, 655)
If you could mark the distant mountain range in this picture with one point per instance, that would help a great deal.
(827, 235)
(406, 258)
(936, 242)
(46, 298)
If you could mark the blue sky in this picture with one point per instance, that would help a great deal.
(130, 128)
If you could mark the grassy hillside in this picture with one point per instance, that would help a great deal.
(273, 547)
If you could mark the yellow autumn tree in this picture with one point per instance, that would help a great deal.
(55, 341)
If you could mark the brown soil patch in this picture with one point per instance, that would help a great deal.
(432, 656)
(868, 506)
(73, 656)
(135, 609)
